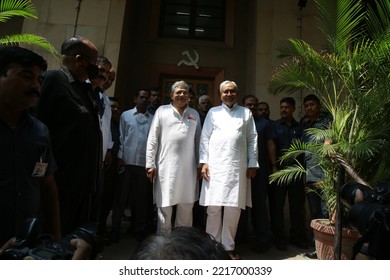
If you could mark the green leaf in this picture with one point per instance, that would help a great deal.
(30, 39)
(26, 9)
(21, 8)
(288, 174)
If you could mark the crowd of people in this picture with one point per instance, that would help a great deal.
(72, 156)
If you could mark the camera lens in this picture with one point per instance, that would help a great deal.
(360, 215)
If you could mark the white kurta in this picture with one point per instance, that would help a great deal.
(172, 148)
(229, 146)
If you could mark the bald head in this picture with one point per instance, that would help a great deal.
(79, 55)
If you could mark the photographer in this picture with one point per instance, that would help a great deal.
(82, 252)
(27, 185)
(30, 242)
(369, 213)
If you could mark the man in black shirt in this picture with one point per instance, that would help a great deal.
(27, 185)
(68, 110)
(287, 129)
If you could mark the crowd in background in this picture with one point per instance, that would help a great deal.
(73, 157)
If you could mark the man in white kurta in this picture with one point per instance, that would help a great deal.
(228, 152)
(172, 158)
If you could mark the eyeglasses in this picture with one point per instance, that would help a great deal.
(89, 58)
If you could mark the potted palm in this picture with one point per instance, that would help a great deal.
(351, 78)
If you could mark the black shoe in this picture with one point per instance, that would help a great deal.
(311, 255)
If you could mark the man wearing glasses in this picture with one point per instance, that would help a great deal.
(66, 107)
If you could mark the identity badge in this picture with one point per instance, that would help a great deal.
(39, 169)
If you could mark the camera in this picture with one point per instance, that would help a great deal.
(369, 214)
(43, 247)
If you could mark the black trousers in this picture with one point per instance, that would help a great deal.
(295, 192)
(317, 205)
(135, 187)
(110, 187)
(260, 220)
(259, 211)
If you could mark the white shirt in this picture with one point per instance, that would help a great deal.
(133, 129)
(105, 124)
(229, 146)
(172, 149)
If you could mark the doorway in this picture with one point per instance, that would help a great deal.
(205, 80)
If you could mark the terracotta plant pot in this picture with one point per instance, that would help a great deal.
(324, 234)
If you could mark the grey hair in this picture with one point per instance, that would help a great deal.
(153, 248)
(204, 97)
(180, 84)
(225, 83)
(183, 243)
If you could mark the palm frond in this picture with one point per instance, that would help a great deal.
(288, 174)
(318, 135)
(296, 149)
(30, 39)
(288, 79)
(22, 8)
(339, 22)
(295, 48)
(378, 19)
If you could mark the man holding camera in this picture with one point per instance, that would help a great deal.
(27, 185)
(82, 249)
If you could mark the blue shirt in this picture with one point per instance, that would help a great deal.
(134, 128)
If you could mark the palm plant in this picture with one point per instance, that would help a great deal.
(351, 78)
(25, 9)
